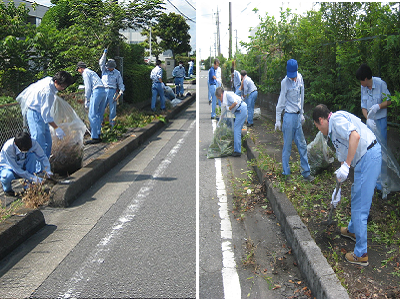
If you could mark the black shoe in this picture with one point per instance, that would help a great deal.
(236, 154)
(209, 102)
(11, 193)
(249, 125)
(92, 141)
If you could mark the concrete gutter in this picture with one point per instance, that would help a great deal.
(313, 265)
(18, 228)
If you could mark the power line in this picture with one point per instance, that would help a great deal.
(187, 18)
(190, 4)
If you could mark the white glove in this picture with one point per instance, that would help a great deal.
(121, 91)
(302, 120)
(342, 172)
(60, 133)
(49, 173)
(278, 125)
(373, 110)
(37, 179)
(87, 103)
(336, 200)
(371, 124)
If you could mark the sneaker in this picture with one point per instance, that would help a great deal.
(345, 232)
(209, 102)
(249, 125)
(236, 154)
(92, 141)
(310, 178)
(352, 258)
(11, 193)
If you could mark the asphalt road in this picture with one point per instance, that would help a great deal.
(131, 235)
(223, 238)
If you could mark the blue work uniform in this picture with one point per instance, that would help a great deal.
(179, 74)
(112, 80)
(291, 99)
(36, 102)
(367, 165)
(212, 86)
(15, 164)
(250, 95)
(157, 87)
(236, 82)
(240, 111)
(95, 98)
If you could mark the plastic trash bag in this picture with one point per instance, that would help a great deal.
(320, 156)
(389, 178)
(222, 143)
(66, 154)
(175, 102)
(257, 113)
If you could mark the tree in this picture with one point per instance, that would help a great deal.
(173, 31)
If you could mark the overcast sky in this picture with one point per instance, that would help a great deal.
(184, 7)
(243, 18)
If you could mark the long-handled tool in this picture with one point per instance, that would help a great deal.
(338, 185)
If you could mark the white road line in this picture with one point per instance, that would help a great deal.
(98, 254)
(230, 276)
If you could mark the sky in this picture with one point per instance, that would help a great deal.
(243, 18)
(184, 7)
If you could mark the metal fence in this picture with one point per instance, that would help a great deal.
(11, 121)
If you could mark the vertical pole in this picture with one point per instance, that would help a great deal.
(230, 30)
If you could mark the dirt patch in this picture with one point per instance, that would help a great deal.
(378, 280)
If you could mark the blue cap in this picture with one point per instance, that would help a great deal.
(291, 68)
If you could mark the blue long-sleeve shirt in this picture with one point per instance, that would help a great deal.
(248, 86)
(291, 98)
(156, 74)
(111, 79)
(92, 81)
(375, 96)
(179, 71)
(12, 158)
(236, 79)
(211, 74)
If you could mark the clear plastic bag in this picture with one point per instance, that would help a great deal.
(320, 156)
(222, 143)
(66, 154)
(257, 113)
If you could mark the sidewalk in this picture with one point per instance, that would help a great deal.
(98, 160)
(312, 263)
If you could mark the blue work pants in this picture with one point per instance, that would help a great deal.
(240, 118)
(292, 130)
(40, 132)
(365, 175)
(96, 111)
(211, 90)
(250, 101)
(157, 88)
(112, 105)
(179, 85)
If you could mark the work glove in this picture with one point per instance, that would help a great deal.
(105, 50)
(87, 104)
(336, 200)
(371, 124)
(37, 179)
(49, 173)
(60, 133)
(373, 110)
(121, 91)
(278, 125)
(342, 172)
(302, 120)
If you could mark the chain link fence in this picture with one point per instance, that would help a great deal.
(11, 121)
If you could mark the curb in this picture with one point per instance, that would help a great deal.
(313, 265)
(17, 229)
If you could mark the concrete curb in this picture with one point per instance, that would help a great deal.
(313, 265)
(17, 229)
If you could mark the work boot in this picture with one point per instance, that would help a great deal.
(92, 141)
(236, 154)
(11, 193)
(310, 178)
(345, 232)
(352, 258)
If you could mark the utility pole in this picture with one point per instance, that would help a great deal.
(236, 40)
(230, 30)
(150, 45)
(218, 35)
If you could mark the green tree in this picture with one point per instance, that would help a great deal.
(173, 31)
